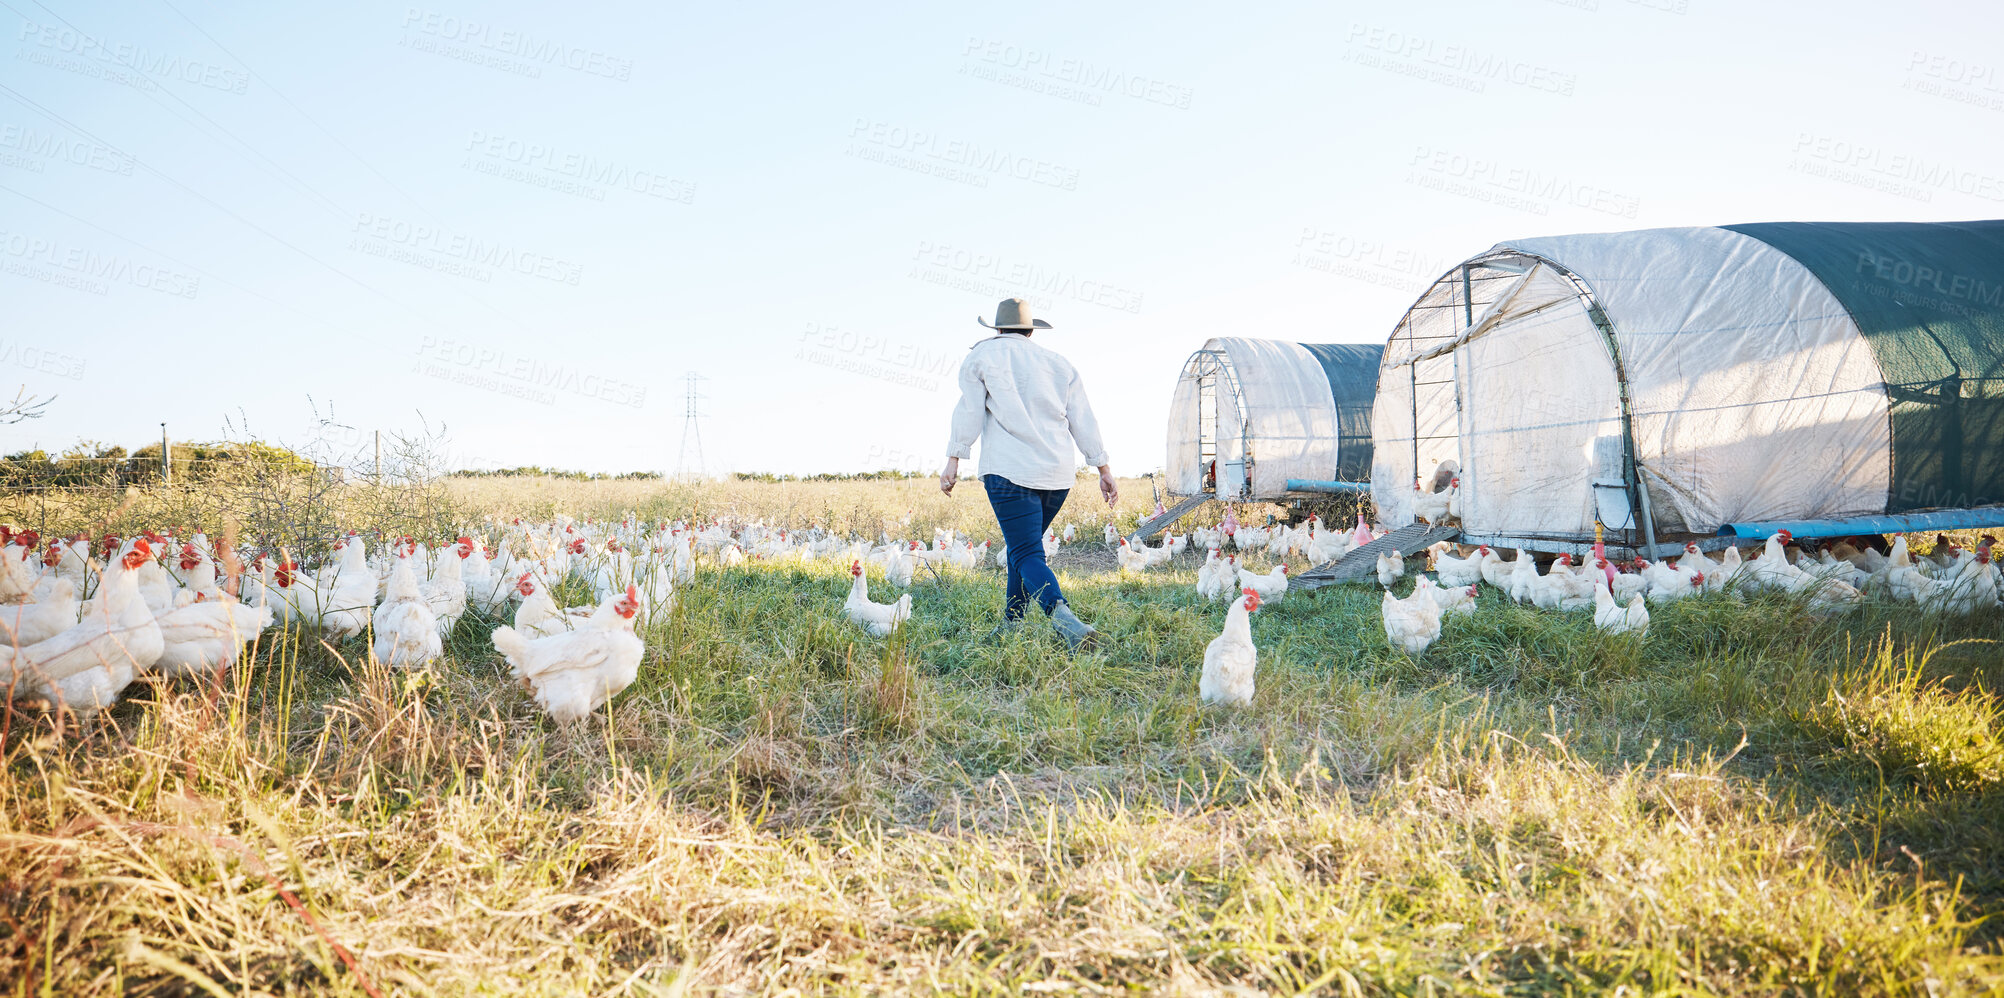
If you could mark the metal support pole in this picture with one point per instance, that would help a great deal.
(378, 473)
(1648, 517)
(166, 457)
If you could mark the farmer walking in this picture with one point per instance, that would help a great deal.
(1028, 408)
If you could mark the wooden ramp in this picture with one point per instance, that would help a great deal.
(1362, 563)
(1156, 524)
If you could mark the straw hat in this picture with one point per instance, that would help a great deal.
(1014, 313)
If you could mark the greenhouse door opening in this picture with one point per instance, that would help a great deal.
(1221, 443)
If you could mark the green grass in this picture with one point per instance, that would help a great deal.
(1753, 799)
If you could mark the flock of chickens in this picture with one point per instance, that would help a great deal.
(160, 604)
(76, 632)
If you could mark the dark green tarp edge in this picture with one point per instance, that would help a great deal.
(1353, 385)
(1929, 298)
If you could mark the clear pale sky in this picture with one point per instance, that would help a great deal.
(527, 222)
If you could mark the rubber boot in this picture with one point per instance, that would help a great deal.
(1004, 629)
(1077, 633)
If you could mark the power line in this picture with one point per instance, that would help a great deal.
(301, 111)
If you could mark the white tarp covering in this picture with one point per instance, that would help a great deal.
(1289, 413)
(1283, 413)
(1184, 471)
(1754, 395)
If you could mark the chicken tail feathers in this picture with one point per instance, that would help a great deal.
(511, 645)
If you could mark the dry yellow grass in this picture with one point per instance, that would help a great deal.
(781, 805)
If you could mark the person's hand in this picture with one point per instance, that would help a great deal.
(1107, 487)
(950, 475)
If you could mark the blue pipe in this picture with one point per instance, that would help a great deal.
(1312, 485)
(1945, 519)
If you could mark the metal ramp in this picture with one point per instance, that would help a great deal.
(1363, 562)
(1156, 524)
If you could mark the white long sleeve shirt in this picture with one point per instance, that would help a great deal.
(1028, 408)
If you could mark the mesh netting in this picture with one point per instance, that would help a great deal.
(1929, 298)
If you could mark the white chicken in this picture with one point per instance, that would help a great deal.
(344, 593)
(1211, 581)
(1495, 570)
(880, 619)
(1325, 546)
(407, 632)
(1669, 582)
(85, 667)
(1231, 658)
(206, 636)
(1612, 617)
(1523, 579)
(1270, 586)
(446, 591)
(1051, 543)
(1160, 554)
(1412, 624)
(1455, 599)
(23, 624)
(1562, 589)
(574, 673)
(1391, 568)
(539, 615)
(1433, 507)
(1456, 572)
(1973, 587)
(18, 570)
(1730, 574)
(1131, 557)
(898, 565)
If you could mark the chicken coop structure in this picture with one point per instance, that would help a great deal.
(1826, 378)
(1256, 419)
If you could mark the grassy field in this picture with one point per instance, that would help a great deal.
(1753, 800)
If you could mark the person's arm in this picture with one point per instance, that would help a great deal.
(1085, 432)
(968, 416)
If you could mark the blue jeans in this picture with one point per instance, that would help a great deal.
(1024, 515)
